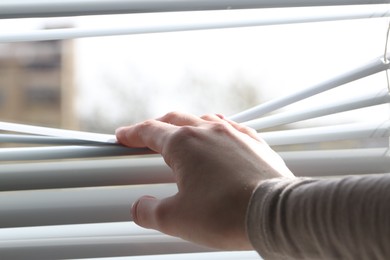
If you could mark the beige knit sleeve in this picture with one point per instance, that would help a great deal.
(343, 218)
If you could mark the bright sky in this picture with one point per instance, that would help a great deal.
(279, 59)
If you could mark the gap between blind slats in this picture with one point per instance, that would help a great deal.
(55, 132)
(283, 118)
(207, 20)
(66, 152)
(294, 116)
(91, 173)
(375, 66)
(378, 129)
(47, 8)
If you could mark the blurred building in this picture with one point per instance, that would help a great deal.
(37, 83)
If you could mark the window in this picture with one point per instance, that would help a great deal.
(84, 191)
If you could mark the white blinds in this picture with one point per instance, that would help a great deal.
(72, 199)
(216, 20)
(40, 8)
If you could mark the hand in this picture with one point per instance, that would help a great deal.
(217, 164)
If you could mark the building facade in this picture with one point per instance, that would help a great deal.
(37, 83)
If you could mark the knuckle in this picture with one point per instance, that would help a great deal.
(212, 117)
(251, 130)
(221, 128)
(169, 116)
(208, 117)
(143, 127)
(183, 134)
(147, 123)
(248, 130)
(183, 137)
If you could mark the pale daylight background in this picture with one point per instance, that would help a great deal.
(120, 80)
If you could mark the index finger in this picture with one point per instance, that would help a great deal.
(151, 134)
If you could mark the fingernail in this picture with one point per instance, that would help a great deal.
(134, 206)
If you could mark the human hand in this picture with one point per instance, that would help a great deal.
(217, 164)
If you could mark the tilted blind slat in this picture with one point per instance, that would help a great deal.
(330, 108)
(359, 72)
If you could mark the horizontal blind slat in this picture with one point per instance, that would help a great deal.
(208, 20)
(91, 240)
(380, 129)
(338, 162)
(90, 173)
(46, 8)
(68, 152)
(75, 205)
(84, 173)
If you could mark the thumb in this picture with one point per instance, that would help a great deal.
(149, 212)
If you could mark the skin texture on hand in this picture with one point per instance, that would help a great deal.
(217, 164)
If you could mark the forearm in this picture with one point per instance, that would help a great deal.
(345, 218)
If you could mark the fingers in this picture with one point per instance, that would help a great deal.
(155, 133)
(151, 134)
